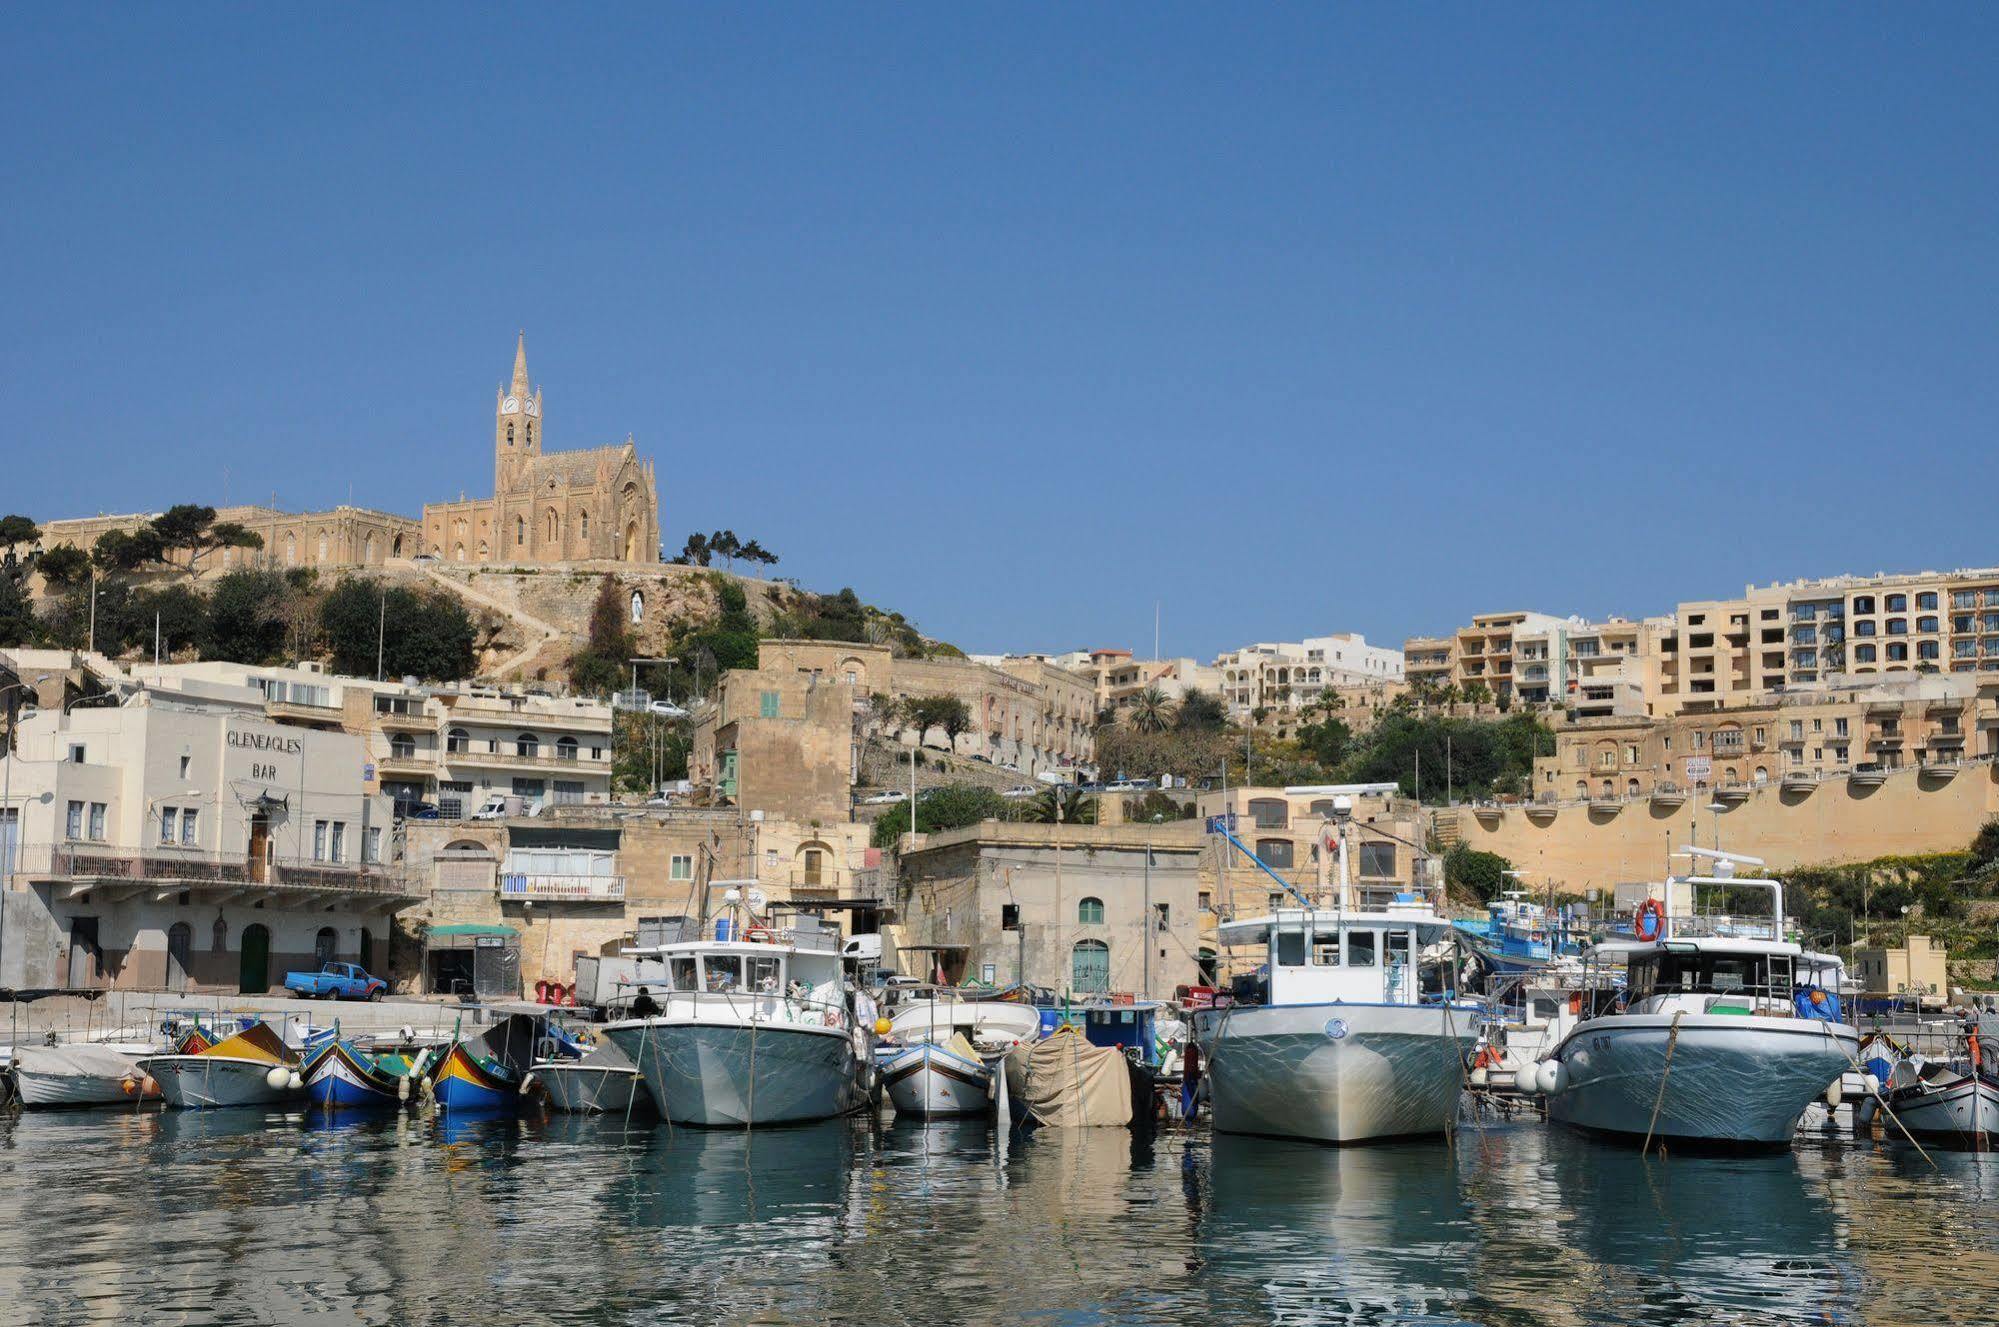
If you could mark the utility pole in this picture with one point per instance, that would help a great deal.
(1145, 991)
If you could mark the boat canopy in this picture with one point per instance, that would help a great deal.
(1250, 931)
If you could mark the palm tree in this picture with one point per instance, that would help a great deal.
(1061, 805)
(1149, 711)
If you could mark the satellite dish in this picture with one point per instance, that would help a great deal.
(732, 896)
(757, 898)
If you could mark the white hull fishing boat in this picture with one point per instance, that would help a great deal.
(943, 1052)
(1948, 1105)
(751, 1032)
(81, 1074)
(1727, 1033)
(1340, 1045)
(603, 1082)
(252, 1068)
(931, 1078)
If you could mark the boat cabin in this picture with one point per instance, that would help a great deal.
(1723, 975)
(1316, 957)
(760, 980)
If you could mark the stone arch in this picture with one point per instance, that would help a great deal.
(812, 865)
(583, 524)
(322, 546)
(368, 547)
(551, 529)
(484, 552)
(520, 531)
(396, 547)
(631, 545)
(291, 549)
(458, 553)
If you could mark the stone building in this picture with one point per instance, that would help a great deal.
(189, 842)
(1070, 907)
(599, 504)
(341, 537)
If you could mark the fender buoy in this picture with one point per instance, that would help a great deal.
(541, 992)
(569, 997)
(1654, 911)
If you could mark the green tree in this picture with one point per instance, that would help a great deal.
(1326, 741)
(946, 712)
(598, 668)
(1060, 804)
(1481, 873)
(696, 553)
(646, 744)
(1149, 711)
(951, 807)
(17, 614)
(63, 566)
(425, 634)
(16, 530)
(246, 617)
(174, 616)
(124, 551)
(1200, 712)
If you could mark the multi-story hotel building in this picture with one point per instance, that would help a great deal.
(1290, 675)
(452, 745)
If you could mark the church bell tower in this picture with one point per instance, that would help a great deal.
(516, 425)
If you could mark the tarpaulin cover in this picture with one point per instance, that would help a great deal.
(1072, 1084)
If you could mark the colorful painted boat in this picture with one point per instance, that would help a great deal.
(341, 1076)
(486, 1072)
(252, 1068)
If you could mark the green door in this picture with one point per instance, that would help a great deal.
(256, 969)
(1090, 968)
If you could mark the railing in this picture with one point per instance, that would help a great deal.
(582, 888)
(196, 866)
(542, 757)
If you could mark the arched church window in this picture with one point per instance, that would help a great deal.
(583, 524)
(520, 531)
(510, 435)
(553, 533)
(530, 433)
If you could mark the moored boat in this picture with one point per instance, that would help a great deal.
(942, 1051)
(1727, 1031)
(750, 1032)
(602, 1082)
(486, 1071)
(938, 1078)
(340, 1075)
(1337, 1041)
(253, 1067)
(82, 1074)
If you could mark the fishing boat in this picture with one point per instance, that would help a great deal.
(601, 1082)
(941, 1052)
(486, 1071)
(342, 1075)
(1727, 1030)
(253, 1067)
(90, 1073)
(1523, 936)
(751, 1031)
(1340, 1038)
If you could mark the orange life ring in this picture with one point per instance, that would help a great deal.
(1656, 910)
(1575, 1002)
(760, 935)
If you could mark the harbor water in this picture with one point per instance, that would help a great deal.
(246, 1217)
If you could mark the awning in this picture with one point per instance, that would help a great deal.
(541, 836)
(472, 928)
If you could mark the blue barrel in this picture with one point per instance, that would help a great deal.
(722, 928)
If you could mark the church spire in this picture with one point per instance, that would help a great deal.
(520, 387)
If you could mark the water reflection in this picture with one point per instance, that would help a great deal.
(239, 1216)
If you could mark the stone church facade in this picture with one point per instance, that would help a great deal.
(599, 504)
(595, 505)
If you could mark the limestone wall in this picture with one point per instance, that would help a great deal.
(1835, 821)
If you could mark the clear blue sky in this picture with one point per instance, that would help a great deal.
(1017, 318)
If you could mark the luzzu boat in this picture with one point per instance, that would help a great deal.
(487, 1071)
(340, 1075)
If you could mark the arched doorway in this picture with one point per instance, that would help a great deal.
(368, 950)
(254, 971)
(180, 956)
(325, 946)
(1090, 967)
(632, 542)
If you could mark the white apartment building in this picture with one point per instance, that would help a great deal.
(179, 841)
(451, 745)
(1289, 675)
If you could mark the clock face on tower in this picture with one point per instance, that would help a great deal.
(511, 406)
(533, 408)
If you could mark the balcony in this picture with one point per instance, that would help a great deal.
(416, 764)
(406, 723)
(167, 870)
(292, 709)
(563, 888)
(549, 758)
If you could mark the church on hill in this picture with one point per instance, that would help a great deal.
(597, 504)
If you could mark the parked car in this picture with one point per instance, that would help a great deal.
(417, 810)
(336, 981)
(982, 759)
(501, 805)
(1022, 790)
(666, 709)
(889, 798)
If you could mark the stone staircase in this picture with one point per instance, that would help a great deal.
(541, 635)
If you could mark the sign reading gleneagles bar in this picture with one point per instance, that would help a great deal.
(264, 744)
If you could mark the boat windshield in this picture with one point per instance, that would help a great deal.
(680, 973)
(1708, 973)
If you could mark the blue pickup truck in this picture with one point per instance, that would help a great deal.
(336, 981)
